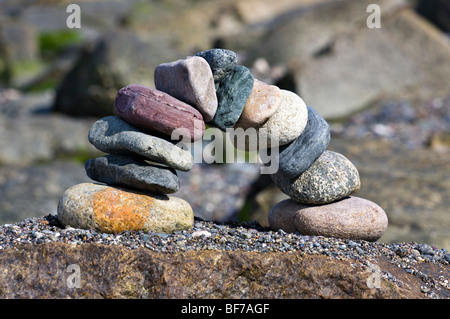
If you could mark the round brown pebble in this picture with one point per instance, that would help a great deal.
(349, 218)
(262, 103)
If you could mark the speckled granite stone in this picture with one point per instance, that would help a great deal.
(331, 177)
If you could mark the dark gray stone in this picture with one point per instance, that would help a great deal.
(221, 61)
(447, 257)
(132, 172)
(232, 92)
(426, 249)
(298, 156)
(330, 178)
(115, 136)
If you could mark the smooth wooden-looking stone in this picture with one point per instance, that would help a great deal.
(233, 92)
(221, 61)
(298, 156)
(132, 172)
(190, 80)
(159, 113)
(330, 178)
(349, 218)
(113, 135)
(113, 210)
(283, 127)
(263, 102)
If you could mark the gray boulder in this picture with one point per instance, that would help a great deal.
(339, 65)
(115, 60)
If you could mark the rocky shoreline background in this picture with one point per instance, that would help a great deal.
(388, 88)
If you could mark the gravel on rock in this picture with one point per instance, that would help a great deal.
(231, 236)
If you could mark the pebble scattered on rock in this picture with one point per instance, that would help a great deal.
(351, 218)
(132, 172)
(115, 136)
(331, 177)
(426, 249)
(189, 80)
(247, 236)
(112, 210)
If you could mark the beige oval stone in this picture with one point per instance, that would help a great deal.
(263, 102)
(283, 127)
(112, 210)
(349, 218)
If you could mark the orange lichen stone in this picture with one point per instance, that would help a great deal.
(115, 210)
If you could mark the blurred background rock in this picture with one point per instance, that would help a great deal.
(385, 93)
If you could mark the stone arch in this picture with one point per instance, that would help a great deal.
(147, 142)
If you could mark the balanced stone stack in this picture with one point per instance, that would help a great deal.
(140, 168)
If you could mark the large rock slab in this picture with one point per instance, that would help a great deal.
(111, 271)
(113, 210)
(113, 135)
